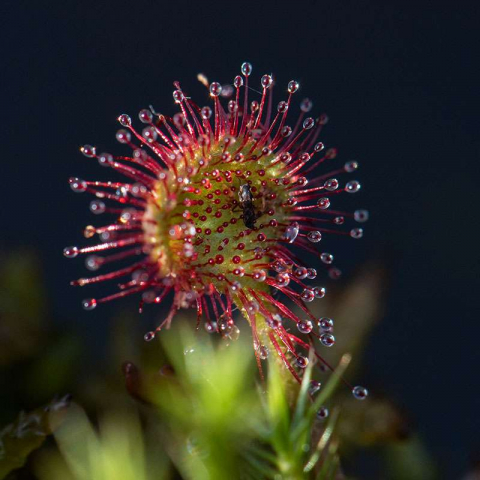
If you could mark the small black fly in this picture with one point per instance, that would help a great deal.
(246, 203)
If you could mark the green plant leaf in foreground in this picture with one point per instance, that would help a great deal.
(116, 452)
(28, 433)
(297, 456)
(211, 417)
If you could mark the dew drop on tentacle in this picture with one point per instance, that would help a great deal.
(262, 352)
(149, 134)
(311, 273)
(323, 203)
(315, 236)
(105, 159)
(319, 292)
(238, 81)
(300, 272)
(215, 89)
(149, 336)
(77, 185)
(325, 324)
(88, 150)
(353, 186)
(282, 107)
(232, 106)
(314, 387)
(246, 68)
(139, 190)
(308, 123)
(301, 181)
(259, 275)
(327, 339)
(323, 120)
(70, 252)
(350, 166)
(305, 326)
(178, 96)
(210, 327)
(293, 86)
(356, 233)
(275, 321)
(93, 262)
(359, 392)
(331, 184)
(301, 361)
(279, 266)
(145, 116)
(306, 105)
(252, 307)
(326, 258)
(149, 296)
(361, 216)
(322, 413)
(307, 295)
(125, 120)
(291, 232)
(234, 333)
(227, 90)
(206, 113)
(266, 81)
(334, 273)
(123, 136)
(89, 303)
(282, 279)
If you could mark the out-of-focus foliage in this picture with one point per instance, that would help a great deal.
(117, 451)
(356, 308)
(28, 433)
(304, 447)
(206, 414)
(211, 419)
(22, 307)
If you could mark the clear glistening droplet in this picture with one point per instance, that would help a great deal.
(293, 86)
(361, 216)
(326, 258)
(356, 233)
(359, 392)
(327, 339)
(353, 186)
(88, 151)
(325, 324)
(314, 236)
(323, 203)
(319, 292)
(305, 326)
(89, 303)
(125, 120)
(70, 252)
(322, 413)
(301, 361)
(307, 295)
(78, 185)
(314, 387)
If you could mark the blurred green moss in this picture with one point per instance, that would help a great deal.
(204, 414)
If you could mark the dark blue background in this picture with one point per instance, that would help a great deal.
(400, 84)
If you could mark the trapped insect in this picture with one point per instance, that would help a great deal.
(245, 197)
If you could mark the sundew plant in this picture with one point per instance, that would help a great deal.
(223, 211)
